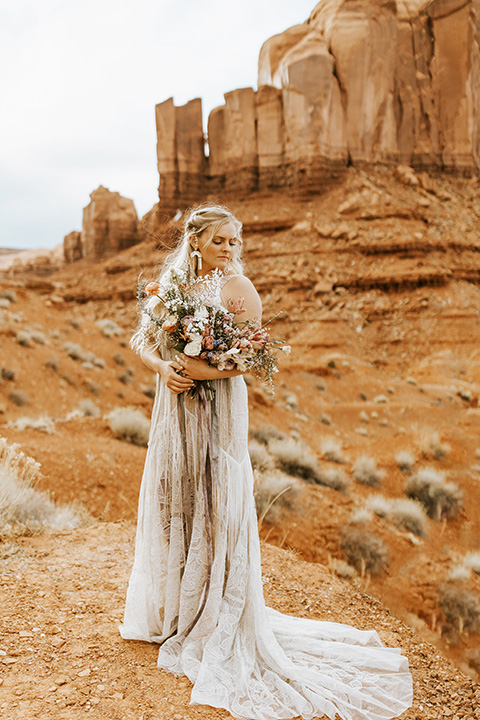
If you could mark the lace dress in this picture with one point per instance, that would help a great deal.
(196, 586)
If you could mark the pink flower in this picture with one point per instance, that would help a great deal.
(152, 288)
(187, 319)
(236, 306)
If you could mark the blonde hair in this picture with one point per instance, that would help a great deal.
(204, 220)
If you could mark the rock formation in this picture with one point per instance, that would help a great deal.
(361, 81)
(110, 224)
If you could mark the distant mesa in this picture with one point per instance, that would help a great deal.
(110, 224)
(360, 82)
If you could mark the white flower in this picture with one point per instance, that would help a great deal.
(194, 347)
(286, 349)
(201, 313)
(155, 305)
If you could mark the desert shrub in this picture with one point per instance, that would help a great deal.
(9, 295)
(365, 471)
(364, 550)
(459, 572)
(24, 338)
(334, 478)
(291, 401)
(405, 461)
(52, 363)
(38, 337)
(129, 424)
(332, 449)
(109, 327)
(461, 608)
(74, 351)
(272, 491)
(381, 399)
(22, 507)
(472, 560)
(8, 374)
(126, 377)
(119, 359)
(259, 456)
(295, 458)
(361, 516)
(42, 424)
(265, 433)
(93, 387)
(343, 569)
(325, 419)
(364, 417)
(87, 407)
(430, 445)
(75, 324)
(379, 504)
(410, 514)
(440, 498)
(4, 303)
(18, 397)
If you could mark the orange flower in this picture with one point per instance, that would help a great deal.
(152, 288)
(170, 323)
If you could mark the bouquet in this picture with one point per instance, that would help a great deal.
(189, 318)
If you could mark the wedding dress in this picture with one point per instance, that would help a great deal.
(196, 585)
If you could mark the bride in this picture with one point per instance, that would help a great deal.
(196, 585)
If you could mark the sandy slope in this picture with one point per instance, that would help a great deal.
(62, 656)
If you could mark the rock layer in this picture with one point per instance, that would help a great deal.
(361, 81)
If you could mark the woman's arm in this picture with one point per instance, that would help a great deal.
(238, 287)
(167, 369)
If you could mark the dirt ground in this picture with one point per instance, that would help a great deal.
(63, 658)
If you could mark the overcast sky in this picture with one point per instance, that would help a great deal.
(78, 86)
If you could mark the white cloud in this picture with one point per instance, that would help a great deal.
(79, 87)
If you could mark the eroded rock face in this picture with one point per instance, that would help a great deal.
(72, 246)
(110, 224)
(362, 81)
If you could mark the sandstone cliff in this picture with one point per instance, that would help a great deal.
(110, 224)
(359, 82)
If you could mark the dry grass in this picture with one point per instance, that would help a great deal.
(364, 550)
(18, 397)
(109, 327)
(441, 499)
(24, 338)
(88, 408)
(410, 515)
(265, 433)
(23, 509)
(405, 461)
(331, 449)
(379, 504)
(431, 446)
(8, 373)
(365, 471)
(361, 516)
(461, 608)
(259, 456)
(43, 424)
(274, 491)
(295, 458)
(334, 478)
(129, 424)
(74, 351)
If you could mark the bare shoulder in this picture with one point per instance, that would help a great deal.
(239, 285)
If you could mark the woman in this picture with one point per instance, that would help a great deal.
(196, 586)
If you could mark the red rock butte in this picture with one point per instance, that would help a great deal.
(360, 82)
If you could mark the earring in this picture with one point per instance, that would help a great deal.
(196, 253)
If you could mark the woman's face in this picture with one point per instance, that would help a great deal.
(218, 252)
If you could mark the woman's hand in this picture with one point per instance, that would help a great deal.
(175, 382)
(168, 370)
(195, 369)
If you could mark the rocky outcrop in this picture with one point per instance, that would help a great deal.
(110, 224)
(362, 81)
(72, 246)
